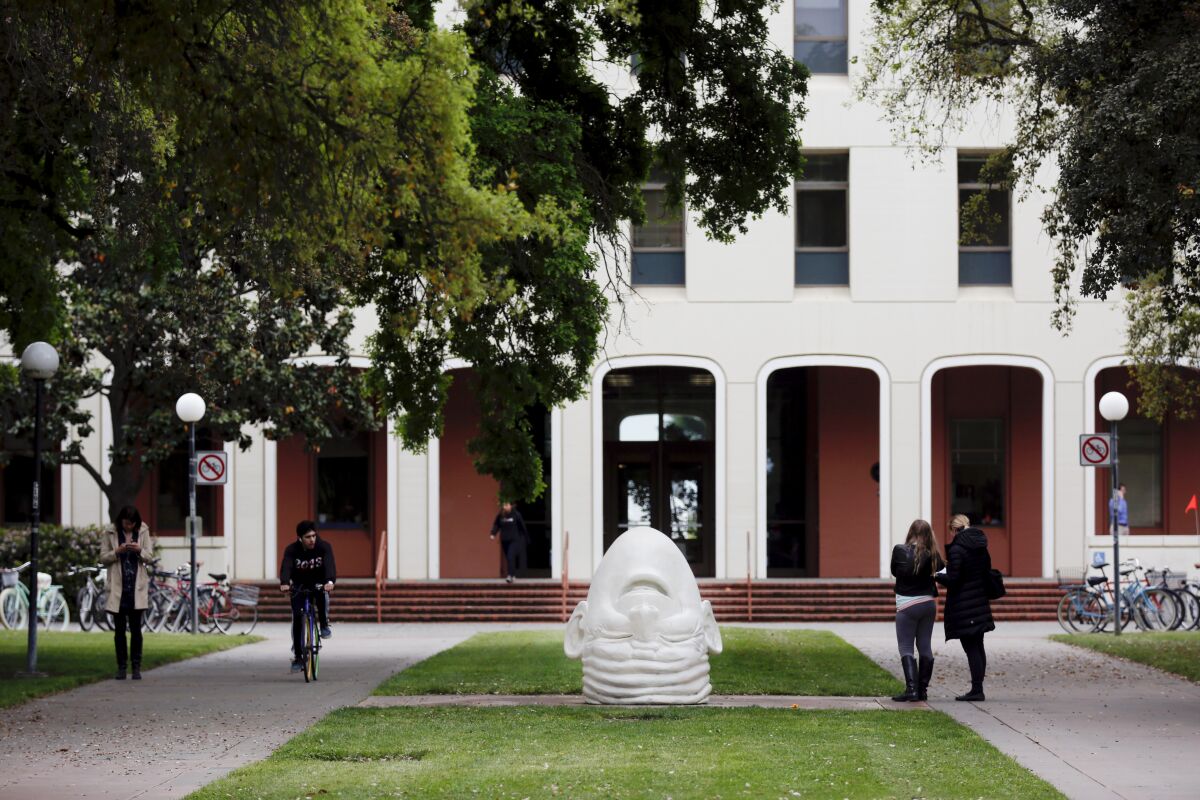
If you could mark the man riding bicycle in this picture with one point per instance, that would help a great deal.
(307, 563)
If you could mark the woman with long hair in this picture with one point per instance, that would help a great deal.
(913, 565)
(968, 612)
(126, 547)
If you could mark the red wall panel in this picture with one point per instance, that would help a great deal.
(467, 499)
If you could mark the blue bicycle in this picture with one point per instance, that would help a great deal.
(310, 650)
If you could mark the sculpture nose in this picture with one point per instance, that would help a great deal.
(643, 619)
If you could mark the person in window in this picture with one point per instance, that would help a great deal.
(913, 565)
(514, 538)
(126, 547)
(968, 612)
(1118, 509)
(307, 562)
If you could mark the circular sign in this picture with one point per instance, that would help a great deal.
(211, 468)
(1095, 450)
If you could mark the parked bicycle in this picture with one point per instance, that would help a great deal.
(91, 598)
(228, 609)
(1089, 601)
(52, 611)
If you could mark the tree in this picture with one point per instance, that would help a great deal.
(1104, 92)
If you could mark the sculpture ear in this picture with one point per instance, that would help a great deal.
(574, 640)
(712, 633)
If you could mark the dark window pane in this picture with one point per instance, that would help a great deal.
(651, 268)
(977, 470)
(822, 58)
(821, 18)
(1141, 471)
(171, 496)
(651, 404)
(985, 268)
(826, 167)
(969, 166)
(663, 226)
(821, 218)
(991, 228)
(343, 483)
(816, 268)
(18, 490)
(787, 474)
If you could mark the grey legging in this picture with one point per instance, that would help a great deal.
(916, 623)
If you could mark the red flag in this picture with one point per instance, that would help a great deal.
(1191, 505)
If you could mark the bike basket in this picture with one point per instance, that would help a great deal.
(1172, 580)
(8, 578)
(243, 595)
(1070, 576)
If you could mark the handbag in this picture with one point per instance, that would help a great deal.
(994, 585)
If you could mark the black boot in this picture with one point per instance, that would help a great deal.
(973, 696)
(120, 672)
(137, 670)
(909, 664)
(924, 673)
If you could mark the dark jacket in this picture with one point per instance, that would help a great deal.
(914, 580)
(511, 527)
(967, 610)
(302, 567)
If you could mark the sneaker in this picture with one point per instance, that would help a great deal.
(509, 579)
(297, 665)
(326, 633)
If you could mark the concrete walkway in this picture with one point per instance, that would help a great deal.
(186, 724)
(1092, 726)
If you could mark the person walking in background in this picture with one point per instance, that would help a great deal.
(126, 547)
(968, 612)
(913, 565)
(1118, 509)
(513, 538)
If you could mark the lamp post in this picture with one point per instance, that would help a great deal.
(1113, 407)
(190, 408)
(39, 361)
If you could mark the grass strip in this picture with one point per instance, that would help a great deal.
(74, 658)
(754, 661)
(534, 752)
(1177, 652)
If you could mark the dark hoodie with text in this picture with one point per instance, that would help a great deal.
(307, 567)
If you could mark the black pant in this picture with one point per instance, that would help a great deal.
(514, 555)
(976, 658)
(322, 599)
(134, 619)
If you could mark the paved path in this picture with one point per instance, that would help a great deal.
(187, 724)
(1092, 726)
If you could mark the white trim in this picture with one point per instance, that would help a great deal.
(270, 509)
(433, 507)
(1048, 387)
(65, 490)
(556, 495)
(392, 530)
(597, 398)
(227, 506)
(885, 447)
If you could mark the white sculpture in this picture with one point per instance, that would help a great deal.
(643, 632)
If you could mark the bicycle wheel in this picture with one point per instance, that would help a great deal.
(222, 611)
(157, 611)
(1158, 609)
(309, 651)
(13, 608)
(100, 613)
(83, 601)
(1070, 612)
(242, 619)
(55, 615)
(316, 637)
(1192, 611)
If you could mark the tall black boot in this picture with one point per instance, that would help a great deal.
(924, 673)
(909, 665)
(137, 670)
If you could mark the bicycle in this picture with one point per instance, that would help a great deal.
(91, 598)
(52, 610)
(1154, 608)
(1084, 608)
(229, 609)
(310, 649)
(1177, 585)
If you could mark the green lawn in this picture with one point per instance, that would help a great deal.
(533, 752)
(754, 661)
(72, 659)
(1173, 651)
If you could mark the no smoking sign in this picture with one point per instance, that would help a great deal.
(212, 467)
(1095, 450)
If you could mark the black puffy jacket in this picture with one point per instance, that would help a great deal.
(967, 563)
(914, 580)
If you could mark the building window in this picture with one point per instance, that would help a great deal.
(822, 237)
(1140, 448)
(344, 482)
(984, 226)
(820, 36)
(16, 484)
(977, 470)
(169, 492)
(658, 244)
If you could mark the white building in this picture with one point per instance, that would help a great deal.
(786, 404)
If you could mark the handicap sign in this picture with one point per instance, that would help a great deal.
(1099, 559)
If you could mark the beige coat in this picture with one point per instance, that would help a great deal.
(109, 557)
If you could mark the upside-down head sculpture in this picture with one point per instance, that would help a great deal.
(643, 633)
